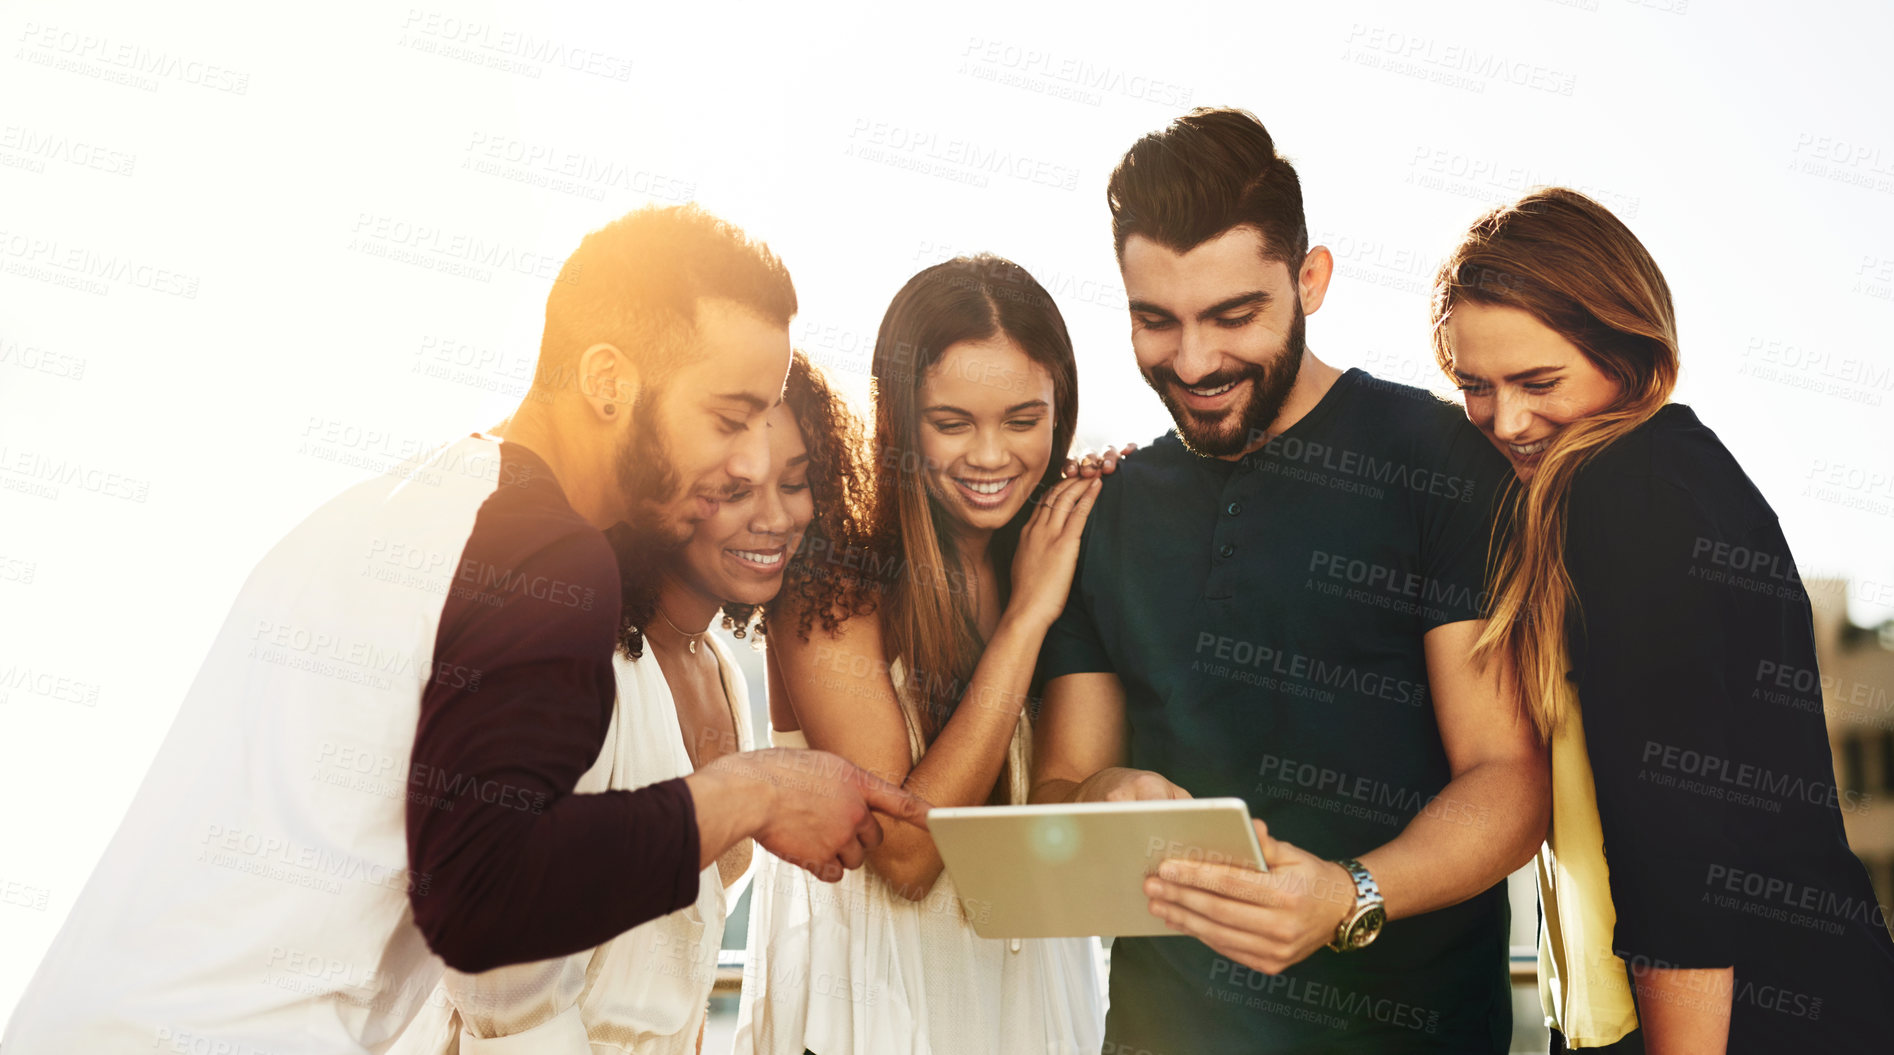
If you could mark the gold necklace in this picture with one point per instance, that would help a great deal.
(685, 634)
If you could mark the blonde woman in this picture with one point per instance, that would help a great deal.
(1645, 585)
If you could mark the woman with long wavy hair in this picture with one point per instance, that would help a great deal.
(1644, 592)
(925, 678)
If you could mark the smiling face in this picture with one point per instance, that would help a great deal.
(985, 430)
(703, 430)
(1522, 381)
(1218, 332)
(740, 551)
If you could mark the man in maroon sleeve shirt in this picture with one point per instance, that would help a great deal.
(373, 772)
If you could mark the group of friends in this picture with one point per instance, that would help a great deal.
(468, 769)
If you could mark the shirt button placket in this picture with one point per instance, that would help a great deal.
(1231, 509)
(1223, 542)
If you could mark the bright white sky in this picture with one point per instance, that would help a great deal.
(154, 444)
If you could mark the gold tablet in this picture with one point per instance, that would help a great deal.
(1076, 870)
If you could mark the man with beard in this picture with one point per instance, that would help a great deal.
(1278, 602)
(378, 757)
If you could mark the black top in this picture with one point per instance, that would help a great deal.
(1694, 658)
(1266, 619)
(517, 867)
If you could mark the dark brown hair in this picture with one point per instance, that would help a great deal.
(927, 617)
(1572, 265)
(1211, 170)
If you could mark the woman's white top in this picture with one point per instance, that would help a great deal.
(644, 991)
(853, 968)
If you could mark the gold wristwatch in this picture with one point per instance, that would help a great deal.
(1363, 923)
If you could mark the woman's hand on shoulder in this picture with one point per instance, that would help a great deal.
(1096, 464)
(1048, 553)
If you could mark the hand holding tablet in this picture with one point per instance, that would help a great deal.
(1269, 922)
(1076, 870)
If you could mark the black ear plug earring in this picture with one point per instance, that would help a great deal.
(610, 409)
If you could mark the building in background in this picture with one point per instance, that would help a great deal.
(1857, 682)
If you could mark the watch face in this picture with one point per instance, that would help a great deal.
(1368, 927)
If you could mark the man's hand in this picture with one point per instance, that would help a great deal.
(1267, 921)
(1118, 784)
(810, 808)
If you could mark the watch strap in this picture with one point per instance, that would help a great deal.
(1365, 888)
(1367, 897)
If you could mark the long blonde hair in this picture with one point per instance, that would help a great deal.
(1571, 264)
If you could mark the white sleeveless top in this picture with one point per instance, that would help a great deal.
(853, 968)
(644, 991)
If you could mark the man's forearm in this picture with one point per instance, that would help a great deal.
(1483, 826)
(515, 887)
(729, 810)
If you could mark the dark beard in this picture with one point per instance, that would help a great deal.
(647, 479)
(1236, 429)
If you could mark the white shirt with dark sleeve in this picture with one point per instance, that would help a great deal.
(373, 772)
(644, 991)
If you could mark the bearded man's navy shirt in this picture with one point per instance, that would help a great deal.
(1266, 619)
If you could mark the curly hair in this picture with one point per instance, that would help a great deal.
(818, 585)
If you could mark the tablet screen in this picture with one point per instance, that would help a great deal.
(1076, 870)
